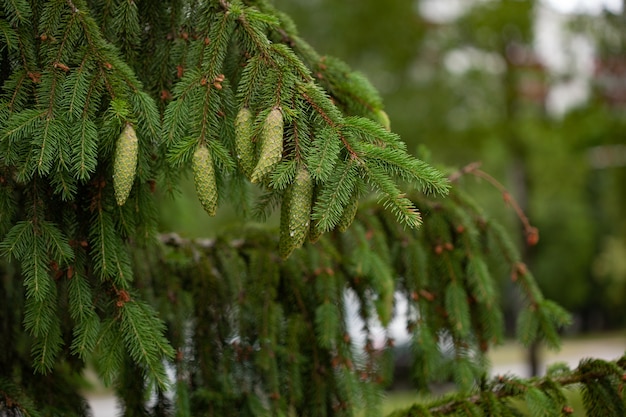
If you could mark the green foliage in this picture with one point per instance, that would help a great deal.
(248, 324)
(267, 319)
(598, 380)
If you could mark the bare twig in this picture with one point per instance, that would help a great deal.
(532, 233)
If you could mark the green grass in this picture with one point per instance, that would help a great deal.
(396, 400)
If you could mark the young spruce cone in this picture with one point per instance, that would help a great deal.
(204, 179)
(383, 119)
(244, 146)
(349, 212)
(295, 217)
(315, 231)
(125, 163)
(271, 145)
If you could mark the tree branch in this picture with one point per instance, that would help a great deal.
(588, 372)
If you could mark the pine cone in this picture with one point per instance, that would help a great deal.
(383, 118)
(315, 232)
(349, 212)
(244, 146)
(271, 145)
(204, 179)
(296, 213)
(125, 163)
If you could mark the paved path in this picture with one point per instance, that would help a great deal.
(104, 406)
(512, 358)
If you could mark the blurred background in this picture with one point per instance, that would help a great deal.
(536, 92)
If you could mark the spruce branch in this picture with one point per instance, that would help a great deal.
(270, 325)
(532, 233)
(360, 259)
(589, 373)
(14, 399)
(327, 118)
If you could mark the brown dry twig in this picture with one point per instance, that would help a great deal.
(531, 232)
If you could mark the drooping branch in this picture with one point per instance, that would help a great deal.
(590, 373)
(532, 234)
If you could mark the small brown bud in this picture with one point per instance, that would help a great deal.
(61, 66)
(427, 295)
(34, 76)
(484, 346)
(122, 298)
(532, 236)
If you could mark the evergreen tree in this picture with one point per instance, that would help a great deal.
(103, 103)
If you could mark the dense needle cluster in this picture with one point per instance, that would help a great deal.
(104, 102)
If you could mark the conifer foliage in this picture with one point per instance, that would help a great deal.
(103, 102)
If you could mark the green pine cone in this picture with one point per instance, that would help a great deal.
(125, 163)
(271, 145)
(315, 232)
(204, 179)
(286, 243)
(244, 123)
(383, 119)
(296, 213)
(349, 212)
